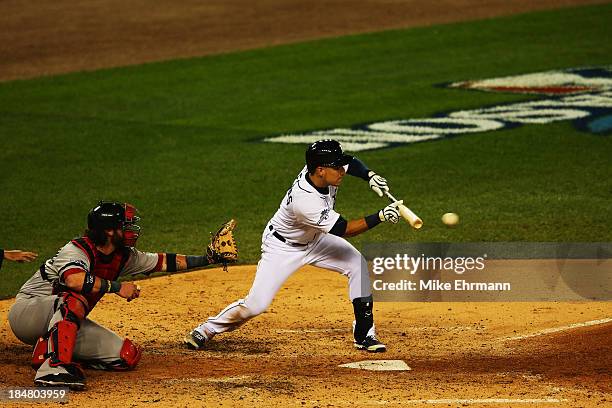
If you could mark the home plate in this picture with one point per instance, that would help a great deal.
(378, 365)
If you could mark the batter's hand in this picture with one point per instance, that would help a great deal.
(19, 256)
(129, 291)
(390, 213)
(378, 184)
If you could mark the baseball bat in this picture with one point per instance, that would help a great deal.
(410, 217)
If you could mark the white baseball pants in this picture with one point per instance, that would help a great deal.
(278, 262)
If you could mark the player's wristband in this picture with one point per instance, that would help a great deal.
(372, 220)
(88, 283)
(171, 262)
(114, 287)
(196, 261)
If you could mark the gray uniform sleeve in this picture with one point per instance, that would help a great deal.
(69, 258)
(140, 262)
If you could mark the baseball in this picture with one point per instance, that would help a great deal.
(450, 219)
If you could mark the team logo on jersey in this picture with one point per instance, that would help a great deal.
(78, 262)
(324, 216)
(581, 95)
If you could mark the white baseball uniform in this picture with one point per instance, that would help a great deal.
(297, 235)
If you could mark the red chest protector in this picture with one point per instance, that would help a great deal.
(103, 266)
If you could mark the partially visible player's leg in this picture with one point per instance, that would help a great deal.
(100, 348)
(337, 254)
(29, 318)
(72, 337)
(58, 367)
(277, 263)
(364, 329)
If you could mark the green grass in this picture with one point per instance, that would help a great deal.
(180, 139)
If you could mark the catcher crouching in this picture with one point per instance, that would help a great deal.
(51, 308)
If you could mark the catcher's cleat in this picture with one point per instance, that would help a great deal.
(195, 340)
(75, 383)
(371, 344)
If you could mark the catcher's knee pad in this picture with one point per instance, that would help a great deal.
(73, 306)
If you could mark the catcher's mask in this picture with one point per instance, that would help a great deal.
(113, 215)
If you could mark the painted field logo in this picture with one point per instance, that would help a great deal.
(582, 95)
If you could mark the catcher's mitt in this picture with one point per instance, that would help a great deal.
(222, 248)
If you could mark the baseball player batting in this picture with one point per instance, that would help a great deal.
(306, 230)
(51, 308)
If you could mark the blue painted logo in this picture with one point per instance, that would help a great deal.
(581, 95)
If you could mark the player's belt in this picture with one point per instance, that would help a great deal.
(282, 239)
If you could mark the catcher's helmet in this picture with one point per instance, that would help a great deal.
(326, 153)
(114, 215)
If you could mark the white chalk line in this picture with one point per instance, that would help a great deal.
(558, 329)
(239, 379)
(465, 401)
(406, 329)
(487, 401)
(313, 330)
(519, 337)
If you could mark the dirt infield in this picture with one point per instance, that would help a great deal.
(48, 37)
(459, 352)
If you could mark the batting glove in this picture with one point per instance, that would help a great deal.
(390, 213)
(378, 184)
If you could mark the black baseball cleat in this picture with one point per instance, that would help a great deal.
(61, 380)
(371, 344)
(195, 340)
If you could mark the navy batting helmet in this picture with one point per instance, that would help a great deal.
(326, 153)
